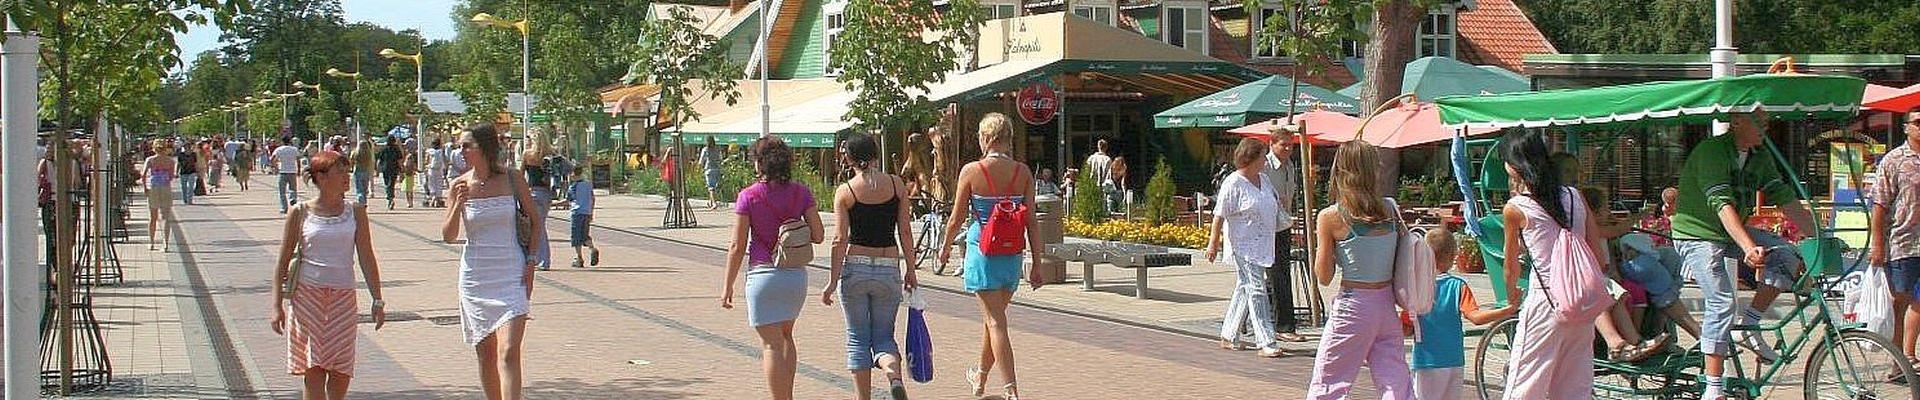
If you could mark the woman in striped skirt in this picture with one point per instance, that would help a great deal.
(332, 234)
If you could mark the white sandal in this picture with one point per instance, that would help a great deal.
(978, 379)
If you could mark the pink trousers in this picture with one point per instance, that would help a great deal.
(1364, 329)
(1551, 359)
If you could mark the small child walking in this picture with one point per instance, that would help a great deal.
(1439, 357)
(580, 202)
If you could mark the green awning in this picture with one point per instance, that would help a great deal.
(1436, 77)
(799, 140)
(1252, 102)
(1783, 96)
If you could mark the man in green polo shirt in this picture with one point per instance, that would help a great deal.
(1717, 193)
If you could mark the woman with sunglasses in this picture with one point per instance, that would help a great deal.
(496, 274)
(332, 234)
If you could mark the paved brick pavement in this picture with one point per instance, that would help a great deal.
(645, 324)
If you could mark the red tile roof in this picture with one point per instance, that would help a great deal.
(1498, 33)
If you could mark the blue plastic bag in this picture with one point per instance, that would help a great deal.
(919, 342)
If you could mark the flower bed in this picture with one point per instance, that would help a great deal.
(1175, 235)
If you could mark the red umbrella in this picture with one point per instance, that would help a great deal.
(1889, 99)
(1411, 123)
(1318, 122)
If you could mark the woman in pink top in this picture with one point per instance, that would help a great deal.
(159, 171)
(1551, 359)
(774, 293)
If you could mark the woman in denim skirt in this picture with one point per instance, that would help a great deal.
(774, 294)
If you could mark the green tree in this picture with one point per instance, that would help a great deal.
(1760, 26)
(1160, 191)
(673, 53)
(325, 119)
(885, 58)
(97, 53)
(382, 104)
(1313, 37)
(1089, 204)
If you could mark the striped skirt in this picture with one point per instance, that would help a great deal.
(321, 331)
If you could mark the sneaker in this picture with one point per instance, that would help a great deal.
(593, 257)
(577, 264)
(899, 390)
(1754, 342)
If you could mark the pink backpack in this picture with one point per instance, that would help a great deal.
(1576, 289)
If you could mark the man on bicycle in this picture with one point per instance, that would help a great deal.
(1717, 188)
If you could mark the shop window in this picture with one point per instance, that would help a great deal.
(1437, 34)
(1186, 27)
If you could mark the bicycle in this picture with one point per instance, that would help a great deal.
(931, 216)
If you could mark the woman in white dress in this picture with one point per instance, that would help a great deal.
(496, 278)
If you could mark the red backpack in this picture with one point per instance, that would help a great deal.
(1005, 232)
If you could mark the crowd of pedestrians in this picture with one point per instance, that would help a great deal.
(501, 211)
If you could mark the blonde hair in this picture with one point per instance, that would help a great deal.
(1444, 245)
(995, 130)
(1355, 182)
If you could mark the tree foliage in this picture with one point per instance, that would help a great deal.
(1160, 192)
(383, 104)
(1314, 37)
(98, 53)
(1761, 26)
(674, 53)
(1089, 203)
(885, 57)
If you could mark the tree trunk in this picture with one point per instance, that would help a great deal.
(1390, 45)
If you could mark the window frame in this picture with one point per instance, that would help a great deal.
(1187, 9)
(832, 10)
(1258, 25)
(1111, 9)
(1451, 37)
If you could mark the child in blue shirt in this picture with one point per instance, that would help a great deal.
(1440, 356)
(580, 203)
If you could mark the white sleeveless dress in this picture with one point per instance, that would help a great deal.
(492, 268)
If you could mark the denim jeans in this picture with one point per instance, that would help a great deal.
(188, 182)
(289, 189)
(870, 298)
(1249, 304)
(1710, 264)
(362, 185)
(542, 250)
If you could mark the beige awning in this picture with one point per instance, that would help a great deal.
(799, 106)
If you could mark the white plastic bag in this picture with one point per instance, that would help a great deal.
(1871, 302)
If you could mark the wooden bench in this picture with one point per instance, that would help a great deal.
(1138, 257)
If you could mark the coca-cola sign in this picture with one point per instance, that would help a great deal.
(1038, 103)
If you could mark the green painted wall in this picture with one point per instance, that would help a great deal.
(742, 39)
(806, 53)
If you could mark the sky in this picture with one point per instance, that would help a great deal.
(431, 17)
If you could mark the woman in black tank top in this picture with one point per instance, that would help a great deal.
(867, 276)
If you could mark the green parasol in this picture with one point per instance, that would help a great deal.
(1784, 96)
(1255, 101)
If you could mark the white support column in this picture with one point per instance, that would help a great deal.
(19, 83)
(1723, 51)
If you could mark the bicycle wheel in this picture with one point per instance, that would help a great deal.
(1491, 358)
(1859, 366)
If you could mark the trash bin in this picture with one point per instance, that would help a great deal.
(1048, 213)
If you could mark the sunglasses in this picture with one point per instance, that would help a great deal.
(469, 145)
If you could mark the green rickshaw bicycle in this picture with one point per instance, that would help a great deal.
(1842, 359)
